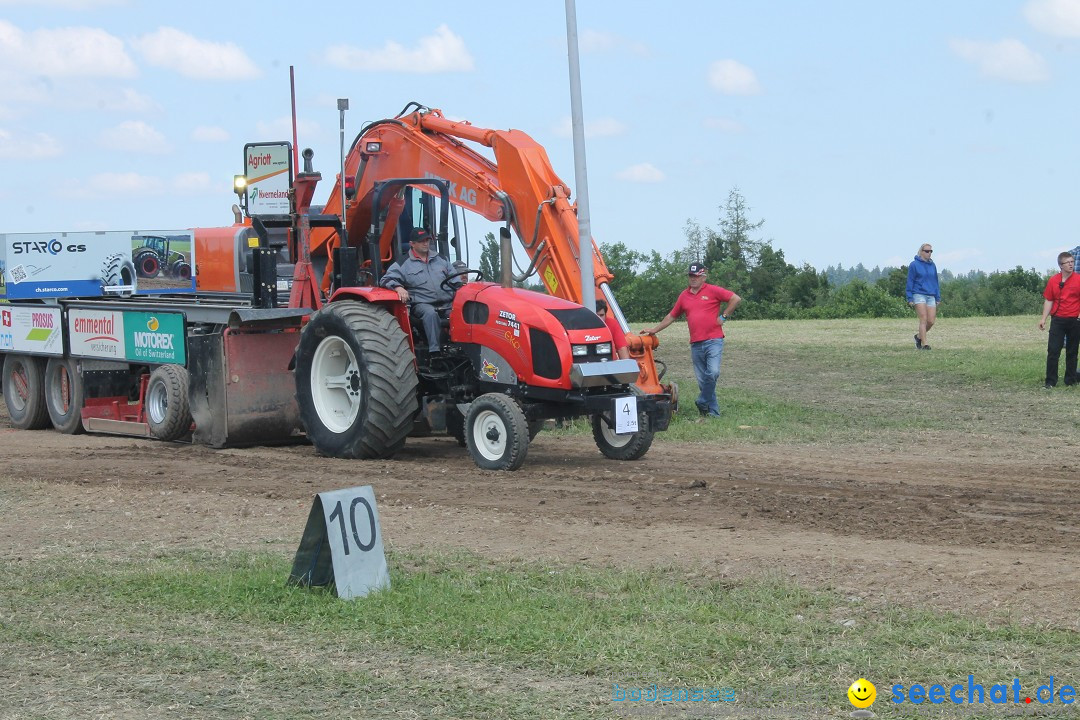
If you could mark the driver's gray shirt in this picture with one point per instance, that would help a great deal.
(421, 279)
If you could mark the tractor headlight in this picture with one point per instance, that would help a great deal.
(604, 349)
(578, 350)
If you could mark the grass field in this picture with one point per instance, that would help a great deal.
(853, 381)
(217, 634)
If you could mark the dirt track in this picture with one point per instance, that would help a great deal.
(966, 530)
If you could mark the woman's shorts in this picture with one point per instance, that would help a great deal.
(927, 300)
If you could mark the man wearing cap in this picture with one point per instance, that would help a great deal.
(701, 302)
(418, 277)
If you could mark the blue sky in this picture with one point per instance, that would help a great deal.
(856, 130)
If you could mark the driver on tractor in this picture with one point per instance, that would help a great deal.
(419, 277)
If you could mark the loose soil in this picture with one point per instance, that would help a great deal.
(988, 531)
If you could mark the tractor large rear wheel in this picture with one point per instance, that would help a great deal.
(147, 264)
(24, 392)
(355, 381)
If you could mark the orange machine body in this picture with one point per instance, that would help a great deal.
(519, 188)
(221, 256)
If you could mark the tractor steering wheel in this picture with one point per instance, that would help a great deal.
(445, 284)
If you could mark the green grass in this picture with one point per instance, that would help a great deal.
(461, 636)
(849, 381)
(209, 635)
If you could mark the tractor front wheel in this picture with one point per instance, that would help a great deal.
(629, 446)
(496, 432)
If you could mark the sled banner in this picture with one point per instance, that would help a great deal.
(96, 264)
(152, 338)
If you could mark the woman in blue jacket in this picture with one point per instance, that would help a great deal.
(923, 292)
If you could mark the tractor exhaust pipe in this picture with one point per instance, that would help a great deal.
(506, 258)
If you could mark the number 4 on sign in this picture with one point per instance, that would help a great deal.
(342, 544)
(626, 415)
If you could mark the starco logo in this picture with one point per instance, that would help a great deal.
(52, 247)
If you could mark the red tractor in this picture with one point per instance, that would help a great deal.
(511, 358)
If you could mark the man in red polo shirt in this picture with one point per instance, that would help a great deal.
(701, 302)
(1062, 304)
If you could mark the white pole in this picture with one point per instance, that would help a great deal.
(585, 255)
(342, 106)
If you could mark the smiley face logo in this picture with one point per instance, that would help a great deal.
(862, 693)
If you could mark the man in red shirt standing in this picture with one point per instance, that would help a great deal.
(701, 302)
(1062, 305)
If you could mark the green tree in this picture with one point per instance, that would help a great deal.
(733, 251)
(623, 263)
(490, 258)
(895, 283)
(858, 299)
(768, 275)
(804, 288)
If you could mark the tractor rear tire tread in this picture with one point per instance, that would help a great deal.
(388, 374)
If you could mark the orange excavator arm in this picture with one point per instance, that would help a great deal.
(519, 188)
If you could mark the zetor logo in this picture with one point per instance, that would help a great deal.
(52, 247)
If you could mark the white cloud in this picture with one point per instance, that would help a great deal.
(199, 59)
(111, 99)
(956, 256)
(124, 100)
(119, 186)
(731, 77)
(439, 53)
(1009, 60)
(134, 136)
(642, 173)
(596, 41)
(64, 52)
(600, 127)
(193, 183)
(281, 129)
(32, 146)
(208, 134)
(1054, 17)
(724, 124)
(104, 186)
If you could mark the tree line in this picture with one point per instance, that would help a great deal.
(647, 283)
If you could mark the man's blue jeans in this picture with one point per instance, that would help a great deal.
(706, 356)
